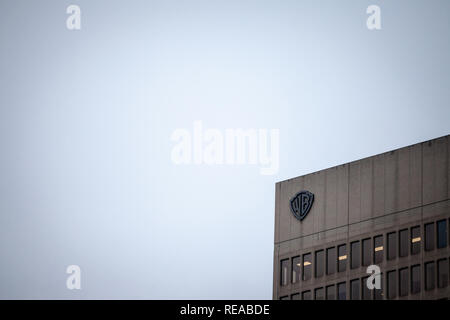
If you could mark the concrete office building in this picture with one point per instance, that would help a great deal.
(391, 210)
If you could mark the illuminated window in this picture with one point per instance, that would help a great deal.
(331, 260)
(378, 249)
(319, 265)
(296, 263)
(307, 266)
(342, 258)
(284, 269)
(415, 240)
(392, 246)
(355, 255)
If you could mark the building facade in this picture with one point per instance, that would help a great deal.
(391, 210)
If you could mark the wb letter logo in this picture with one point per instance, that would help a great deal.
(74, 280)
(374, 281)
(301, 204)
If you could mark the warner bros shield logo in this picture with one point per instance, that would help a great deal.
(301, 204)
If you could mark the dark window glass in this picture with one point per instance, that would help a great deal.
(442, 234)
(366, 252)
(442, 273)
(284, 269)
(429, 236)
(366, 292)
(429, 276)
(307, 266)
(404, 281)
(392, 246)
(295, 296)
(296, 263)
(403, 243)
(342, 258)
(342, 294)
(354, 289)
(306, 295)
(331, 292)
(378, 249)
(355, 255)
(415, 279)
(391, 284)
(331, 260)
(415, 240)
(378, 293)
(319, 263)
(284, 298)
(319, 294)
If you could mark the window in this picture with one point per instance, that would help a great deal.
(354, 289)
(392, 284)
(378, 249)
(342, 294)
(366, 252)
(391, 246)
(284, 298)
(342, 258)
(415, 279)
(429, 275)
(415, 240)
(296, 269)
(442, 234)
(429, 236)
(355, 255)
(284, 266)
(403, 281)
(331, 292)
(365, 291)
(295, 296)
(307, 266)
(319, 294)
(306, 295)
(378, 293)
(331, 260)
(403, 243)
(442, 273)
(319, 263)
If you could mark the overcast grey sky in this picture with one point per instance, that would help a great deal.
(86, 118)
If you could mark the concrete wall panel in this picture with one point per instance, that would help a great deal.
(435, 170)
(354, 205)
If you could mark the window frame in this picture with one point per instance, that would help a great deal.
(358, 251)
(281, 272)
(389, 237)
(430, 244)
(400, 242)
